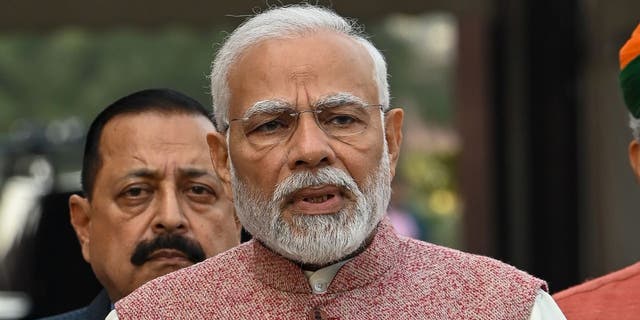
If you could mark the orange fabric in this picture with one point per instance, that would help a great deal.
(631, 48)
(613, 296)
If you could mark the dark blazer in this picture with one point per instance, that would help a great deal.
(98, 309)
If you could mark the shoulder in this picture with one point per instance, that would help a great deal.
(614, 291)
(71, 315)
(200, 281)
(97, 309)
(465, 283)
(630, 275)
(221, 267)
(218, 263)
(463, 262)
(482, 274)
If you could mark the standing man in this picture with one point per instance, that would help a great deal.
(615, 295)
(302, 102)
(152, 201)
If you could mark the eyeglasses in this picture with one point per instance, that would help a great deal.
(265, 128)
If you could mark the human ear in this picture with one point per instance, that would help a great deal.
(219, 155)
(393, 134)
(79, 214)
(634, 157)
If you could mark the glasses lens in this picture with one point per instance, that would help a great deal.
(343, 120)
(266, 128)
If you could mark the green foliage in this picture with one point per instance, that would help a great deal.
(75, 73)
(430, 190)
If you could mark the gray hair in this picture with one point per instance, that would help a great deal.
(279, 23)
(634, 123)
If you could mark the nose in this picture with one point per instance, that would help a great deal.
(309, 146)
(169, 216)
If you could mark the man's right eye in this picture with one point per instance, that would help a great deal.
(134, 199)
(270, 127)
(269, 124)
(134, 192)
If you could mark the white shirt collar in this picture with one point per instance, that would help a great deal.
(320, 279)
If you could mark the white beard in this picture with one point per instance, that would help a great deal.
(315, 239)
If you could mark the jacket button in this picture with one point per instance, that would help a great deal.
(318, 314)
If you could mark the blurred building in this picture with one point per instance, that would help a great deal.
(41, 271)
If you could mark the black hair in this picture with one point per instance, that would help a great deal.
(150, 100)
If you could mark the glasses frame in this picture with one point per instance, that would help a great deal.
(296, 115)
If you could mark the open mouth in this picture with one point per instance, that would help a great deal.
(326, 199)
(319, 199)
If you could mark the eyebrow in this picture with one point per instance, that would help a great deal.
(278, 105)
(338, 99)
(269, 106)
(141, 173)
(153, 174)
(194, 172)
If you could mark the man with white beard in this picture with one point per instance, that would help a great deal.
(309, 144)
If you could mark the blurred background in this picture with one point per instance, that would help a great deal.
(515, 129)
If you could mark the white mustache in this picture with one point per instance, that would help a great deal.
(305, 179)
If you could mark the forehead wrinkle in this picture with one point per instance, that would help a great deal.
(187, 168)
(140, 159)
(168, 142)
(301, 89)
(302, 74)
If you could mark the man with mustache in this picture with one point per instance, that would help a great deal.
(302, 103)
(152, 201)
(617, 294)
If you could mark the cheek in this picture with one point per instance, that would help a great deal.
(117, 238)
(262, 167)
(361, 168)
(361, 160)
(111, 250)
(116, 242)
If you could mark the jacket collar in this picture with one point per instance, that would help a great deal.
(281, 274)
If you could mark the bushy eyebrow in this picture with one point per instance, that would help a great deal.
(267, 106)
(338, 99)
(278, 105)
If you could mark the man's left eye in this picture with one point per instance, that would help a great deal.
(341, 120)
(200, 190)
